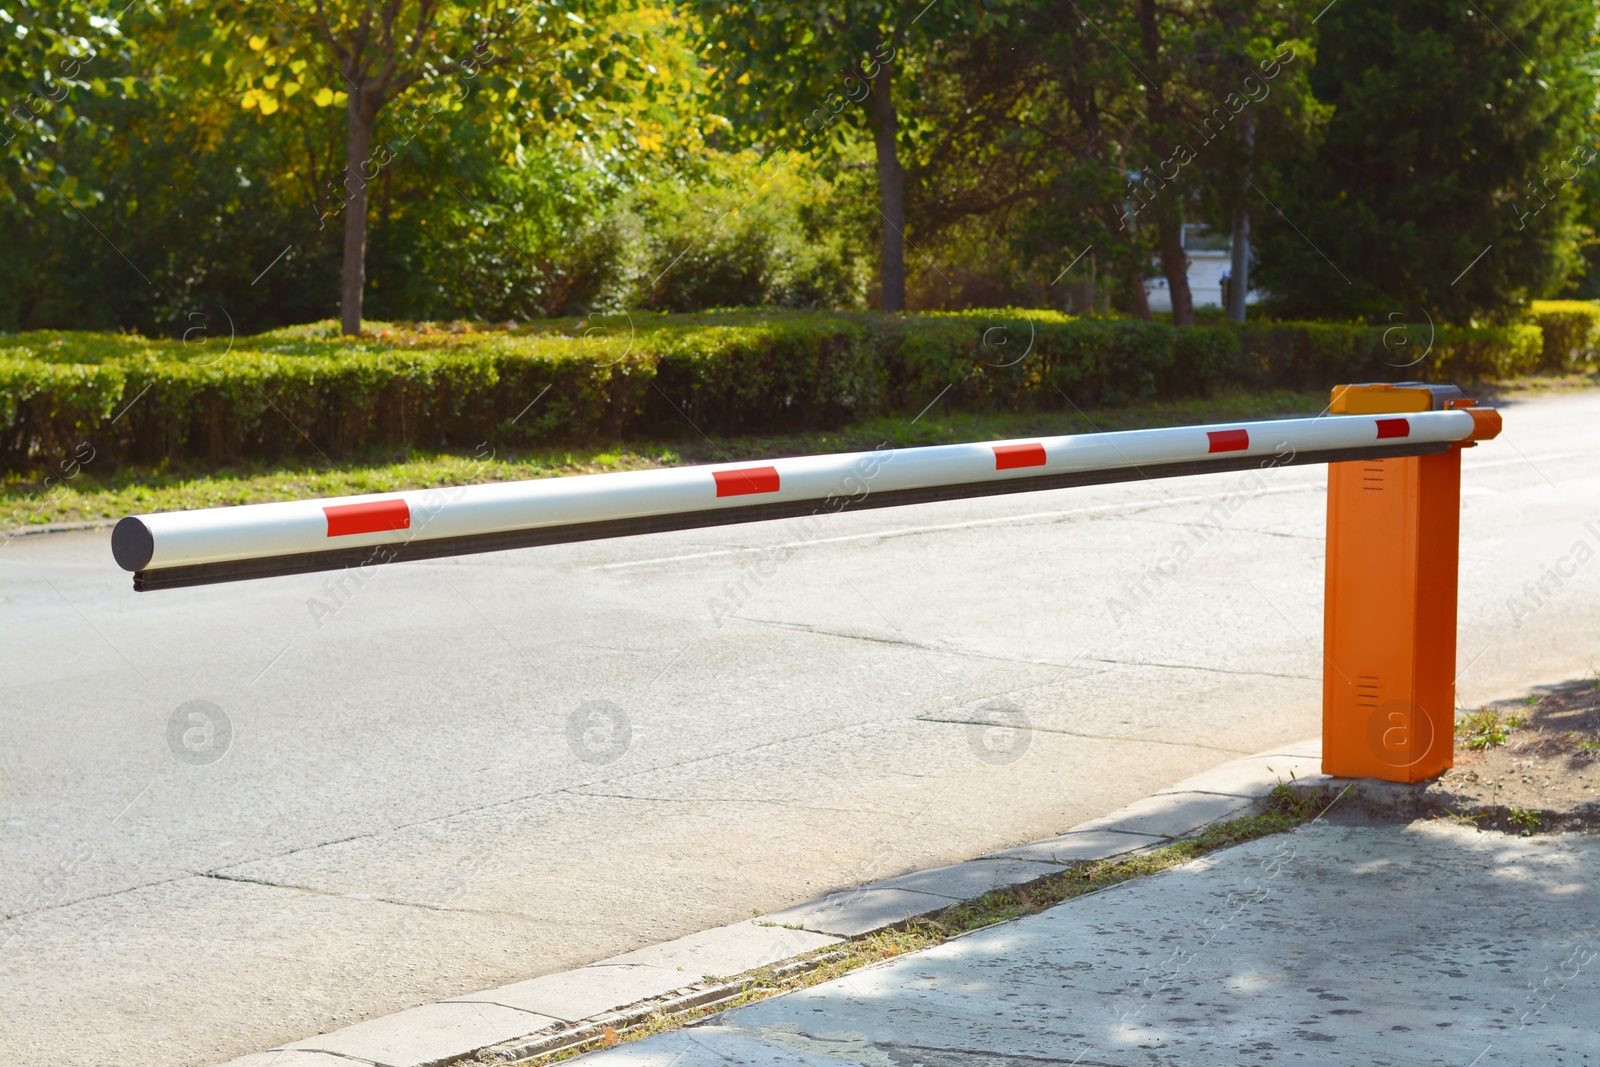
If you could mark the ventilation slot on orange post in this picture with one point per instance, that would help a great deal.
(1372, 476)
(1367, 691)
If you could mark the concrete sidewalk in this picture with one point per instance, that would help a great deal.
(1339, 943)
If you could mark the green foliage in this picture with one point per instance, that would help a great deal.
(1571, 331)
(737, 240)
(309, 391)
(46, 409)
(55, 57)
(177, 169)
(1482, 729)
(1477, 353)
(1445, 139)
(1527, 820)
(1298, 355)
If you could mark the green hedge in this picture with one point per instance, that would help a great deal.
(304, 390)
(1571, 332)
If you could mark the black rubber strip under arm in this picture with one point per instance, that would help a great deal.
(335, 559)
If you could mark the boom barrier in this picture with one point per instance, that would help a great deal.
(1394, 502)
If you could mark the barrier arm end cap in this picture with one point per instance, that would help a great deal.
(132, 544)
(1485, 423)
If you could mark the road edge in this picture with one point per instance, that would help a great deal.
(560, 1011)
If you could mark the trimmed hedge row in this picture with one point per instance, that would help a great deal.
(304, 390)
(1571, 332)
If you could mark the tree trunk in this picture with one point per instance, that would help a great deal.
(1138, 299)
(1239, 268)
(358, 145)
(891, 190)
(1169, 216)
(1175, 267)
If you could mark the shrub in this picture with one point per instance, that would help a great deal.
(1571, 332)
(783, 371)
(46, 409)
(1318, 355)
(1476, 353)
(307, 390)
(737, 239)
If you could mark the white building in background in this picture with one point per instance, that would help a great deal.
(1210, 257)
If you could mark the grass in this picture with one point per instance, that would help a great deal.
(1484, 728)
(1528, 820)
(1286, 808)
(27, 499)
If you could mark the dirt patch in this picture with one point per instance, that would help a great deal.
(1522, 766)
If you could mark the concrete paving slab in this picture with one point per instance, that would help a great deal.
(589, 991)
(963, 881)
(574, 995)
(859, 911)
(430, 1034)
(1171, 814)
(726, 950)
(1083, 845)
(289, 1058)
(1385, 945)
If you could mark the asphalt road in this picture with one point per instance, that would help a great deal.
(466, 772)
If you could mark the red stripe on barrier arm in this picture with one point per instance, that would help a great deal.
(1007, 457)
(1228, 440)
(1393, 428)
(373, 517)
(747, 481)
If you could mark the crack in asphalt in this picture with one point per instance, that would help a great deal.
(568, 790)
(921, 646)
(220, 877)
(728, 800)
(926, 647)
(1208, 670)
(1075, 733)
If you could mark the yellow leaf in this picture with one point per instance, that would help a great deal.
(257, 43)
(297, 66)
(249, 99)
(269, 104)
(290, 88)
(324, 97)
(271, 80)
(340, 98)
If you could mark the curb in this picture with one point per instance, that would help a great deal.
(36, 529)
(559, 1011)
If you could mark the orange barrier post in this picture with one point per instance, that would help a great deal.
(1389, 627)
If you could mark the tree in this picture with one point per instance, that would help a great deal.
(1441, 184)
(1161, 129)
(545, 65)
(1253, 81)
(802, 77)
(1080, 119)
(52, 56)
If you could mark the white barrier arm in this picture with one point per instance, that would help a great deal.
(175, 549)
